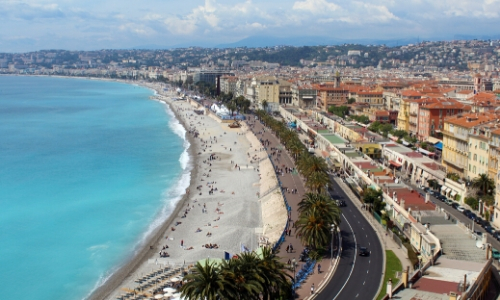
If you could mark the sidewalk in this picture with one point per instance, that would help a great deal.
(293, 181)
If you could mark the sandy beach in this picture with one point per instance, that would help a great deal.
(232, 203)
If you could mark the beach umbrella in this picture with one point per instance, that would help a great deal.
(175, 279)
(169, 290)
(159, 296)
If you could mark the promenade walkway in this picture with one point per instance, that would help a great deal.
(293, 181)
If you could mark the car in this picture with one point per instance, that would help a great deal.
(489, 230)
(496, 235)
(472, 216)
(495, 254)
(363, 251)
(454, 205)
(448, 201)
(460, 208)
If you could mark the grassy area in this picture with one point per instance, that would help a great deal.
(392, 265)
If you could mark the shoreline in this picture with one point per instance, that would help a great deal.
(141, 256)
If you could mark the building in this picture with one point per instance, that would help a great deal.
(228, 84)
(456, 133)
(374, 98)
(404, 108)
(431, 117)
(329, 94)
(304, 96)
(209, 76)
(414, 106)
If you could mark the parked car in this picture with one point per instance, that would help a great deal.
(460, 208)
(489, 229)
(496, 235)
(472, 216)
(455, 205)
(448, 201)
(495, 254)
(466, 212)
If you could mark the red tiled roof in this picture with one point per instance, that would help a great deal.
(436, 286)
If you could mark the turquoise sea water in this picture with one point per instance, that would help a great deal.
(87, 170)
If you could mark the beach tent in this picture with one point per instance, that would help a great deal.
(216, 261)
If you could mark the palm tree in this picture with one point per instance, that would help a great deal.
(265, 105)
(276, 281)
(323, 204)
(484, 184)
(243, 281)
(310, 164)
(296, 148)
(317, 181)
(205, 282)
(313, 228)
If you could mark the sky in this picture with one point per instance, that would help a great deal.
(122, 24)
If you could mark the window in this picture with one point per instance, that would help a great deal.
(474, 170)
(475, 157)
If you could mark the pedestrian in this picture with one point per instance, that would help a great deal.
(287, 249)
(319, 268)
(312, 288)
(182, 243)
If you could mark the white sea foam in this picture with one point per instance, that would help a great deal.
(170, 196)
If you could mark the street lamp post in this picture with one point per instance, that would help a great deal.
(332, 229)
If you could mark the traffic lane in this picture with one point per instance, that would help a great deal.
(345, 265)
(359, 271)
(365, 278)
(369, 269)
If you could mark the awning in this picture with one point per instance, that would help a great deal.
(397, 165)
(439, 146)
(443, 187)
(423, 151)
(447, 190)
(453, 193)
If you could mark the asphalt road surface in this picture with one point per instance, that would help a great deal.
(356, 277)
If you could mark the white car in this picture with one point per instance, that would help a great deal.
(460, 208)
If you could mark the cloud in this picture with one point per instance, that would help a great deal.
(80, 23)
(316, 6)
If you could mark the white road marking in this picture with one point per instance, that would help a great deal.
(353, 263)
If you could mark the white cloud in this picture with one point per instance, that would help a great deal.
(180, 26)
(316, 6)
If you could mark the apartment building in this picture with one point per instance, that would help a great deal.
(374, 98)
(404, 108)
(431, 117)
(494, 172)
(329, 94)
(304, 96)
(414, 106)
(228, 84)
(456, 141)
(478, 151)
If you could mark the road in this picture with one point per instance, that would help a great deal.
(356, 277)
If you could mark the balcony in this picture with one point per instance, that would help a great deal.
(456, 164)
(464, 137)
(414, 114)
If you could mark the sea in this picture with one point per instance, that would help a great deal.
(88, 169)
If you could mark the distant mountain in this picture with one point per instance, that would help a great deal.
(270, 41)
